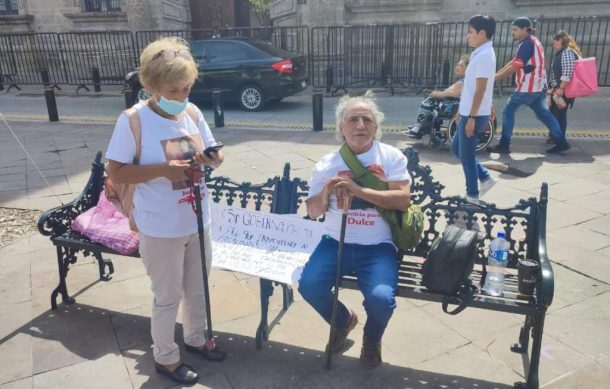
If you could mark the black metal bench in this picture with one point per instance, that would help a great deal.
(524, 224)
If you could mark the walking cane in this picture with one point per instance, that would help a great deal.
(209, 344)
(333, 317)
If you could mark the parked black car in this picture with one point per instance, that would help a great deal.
(248, 71)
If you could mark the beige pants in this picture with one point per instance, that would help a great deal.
(174, 268)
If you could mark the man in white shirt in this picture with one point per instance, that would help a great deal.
(475, 105)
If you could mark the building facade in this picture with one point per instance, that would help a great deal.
(356, 12)
(24, 16)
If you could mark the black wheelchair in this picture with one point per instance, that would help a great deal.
(446, 111)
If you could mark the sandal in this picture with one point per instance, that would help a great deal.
(215, 354)
(183, 374)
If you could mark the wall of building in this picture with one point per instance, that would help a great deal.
(68, 16)
(345, 12)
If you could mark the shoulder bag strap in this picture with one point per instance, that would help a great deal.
(136, 130)
(367, 179)
(361, 174)
(465, 297)
(193, 113)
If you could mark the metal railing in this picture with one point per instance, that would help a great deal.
(423, 55)
(411, 55)
(8, 8)
(293, 39)
(101, 5)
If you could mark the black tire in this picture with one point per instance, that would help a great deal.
(251, 98)
(484, 138)
(140, 94)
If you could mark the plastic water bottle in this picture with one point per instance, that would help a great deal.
(496, 264)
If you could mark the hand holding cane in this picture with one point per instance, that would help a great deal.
(209, 344)
(333, 318)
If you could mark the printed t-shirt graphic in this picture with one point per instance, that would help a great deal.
(181, 148)
(362, 212)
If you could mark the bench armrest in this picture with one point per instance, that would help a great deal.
(58, 220)
(545, 288)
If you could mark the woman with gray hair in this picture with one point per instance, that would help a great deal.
(369, 251)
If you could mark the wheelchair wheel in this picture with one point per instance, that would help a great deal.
(485, 137)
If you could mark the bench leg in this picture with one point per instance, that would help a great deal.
(532, 374)
(102, 264)
(288, 297)
(64, 258)
(524, 337)
(262, 332)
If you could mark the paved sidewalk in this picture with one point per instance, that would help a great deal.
(103, 340)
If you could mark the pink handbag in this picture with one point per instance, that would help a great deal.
(108, 226)
(584, 79)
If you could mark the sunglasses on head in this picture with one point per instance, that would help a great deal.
(171, 54)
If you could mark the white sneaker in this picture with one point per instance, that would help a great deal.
(487, 185)
(473, 200)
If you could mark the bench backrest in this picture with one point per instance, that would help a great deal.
(284, 195)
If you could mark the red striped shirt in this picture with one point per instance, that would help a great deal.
(531, 73)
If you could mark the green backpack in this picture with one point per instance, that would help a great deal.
(407, 227)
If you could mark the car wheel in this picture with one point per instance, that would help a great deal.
(251, 98)
(141, 94)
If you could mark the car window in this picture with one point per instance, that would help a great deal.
(223, 51)
(270, 49)
(197, 50)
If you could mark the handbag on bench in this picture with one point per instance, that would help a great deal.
(448, 266)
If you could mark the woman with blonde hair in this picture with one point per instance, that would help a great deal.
(156, 162)
(566, 52)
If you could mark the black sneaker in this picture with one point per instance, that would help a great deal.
(501, 149)
(550, 141)
(558, 149)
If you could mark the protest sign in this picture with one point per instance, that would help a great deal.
(265, 245)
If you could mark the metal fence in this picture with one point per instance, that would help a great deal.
(66, 58)
(423, 55)
(293, 39)
(102, 5)
(111, 54)
(8, 7)
(411, 55)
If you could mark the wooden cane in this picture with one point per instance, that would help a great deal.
(333, 317)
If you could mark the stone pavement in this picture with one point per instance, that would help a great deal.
(103, 340)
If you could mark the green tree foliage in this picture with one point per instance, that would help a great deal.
(261, 9)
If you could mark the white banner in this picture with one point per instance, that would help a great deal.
(265, 245)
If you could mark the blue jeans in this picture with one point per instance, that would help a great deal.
(465, 149)
(537, 102)
(377, 270)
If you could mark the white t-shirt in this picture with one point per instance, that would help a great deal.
(364, 224)
(161, 209)
(482, 64)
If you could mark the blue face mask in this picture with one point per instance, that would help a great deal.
(172, 107)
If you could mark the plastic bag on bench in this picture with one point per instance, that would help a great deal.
(108, 226)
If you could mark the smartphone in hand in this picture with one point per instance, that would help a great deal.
(213, 149)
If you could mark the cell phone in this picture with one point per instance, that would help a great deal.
(213, 149)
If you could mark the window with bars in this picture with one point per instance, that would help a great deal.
(101, 5)
(8, 7)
